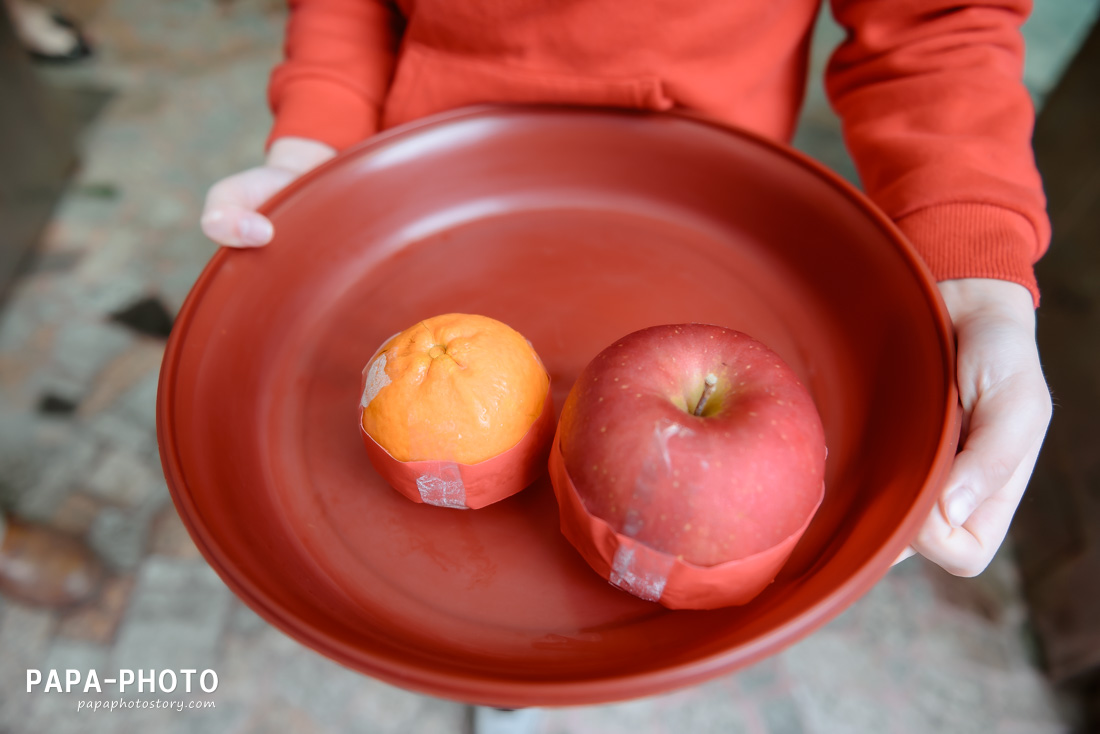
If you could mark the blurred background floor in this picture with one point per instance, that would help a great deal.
(173, 100)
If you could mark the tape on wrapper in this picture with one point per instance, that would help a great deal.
(468, 486)
(655, 576)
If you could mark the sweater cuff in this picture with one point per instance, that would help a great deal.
(975, 241)
(321, 110)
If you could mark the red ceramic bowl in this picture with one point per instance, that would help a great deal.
(575, 227)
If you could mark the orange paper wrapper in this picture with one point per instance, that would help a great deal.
(468, 486)
(656, 576)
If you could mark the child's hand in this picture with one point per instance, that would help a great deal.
(229, 216)
(1006, 410)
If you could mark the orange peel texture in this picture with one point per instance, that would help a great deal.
(456, 387)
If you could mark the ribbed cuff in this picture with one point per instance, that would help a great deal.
(322, 110)
(975, 241)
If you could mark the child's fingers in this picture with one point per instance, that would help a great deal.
(229, 216)
(1007, 408)
(1005, 426)
(1001, 381)
(966, 550)
(236, 227)
(907, 553)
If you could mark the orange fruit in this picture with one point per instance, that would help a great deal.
(456, 387)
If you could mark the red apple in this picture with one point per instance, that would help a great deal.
(696, 441)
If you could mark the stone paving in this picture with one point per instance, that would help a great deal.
(921, 652)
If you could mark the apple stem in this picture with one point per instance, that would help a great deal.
(709, 382)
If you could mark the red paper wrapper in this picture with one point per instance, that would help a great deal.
(468, 486)
(656, 576)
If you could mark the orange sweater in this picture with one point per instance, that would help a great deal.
(929, 91)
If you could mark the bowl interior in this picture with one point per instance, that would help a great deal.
(574, 227)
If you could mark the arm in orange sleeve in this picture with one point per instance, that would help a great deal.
(939, 124)
(339, 60)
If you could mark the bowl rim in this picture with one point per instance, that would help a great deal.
(474, 688)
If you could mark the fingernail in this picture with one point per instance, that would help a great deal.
(255, 230)
(959, 504)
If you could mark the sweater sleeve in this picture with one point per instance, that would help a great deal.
(339, 59)
(939, 124)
